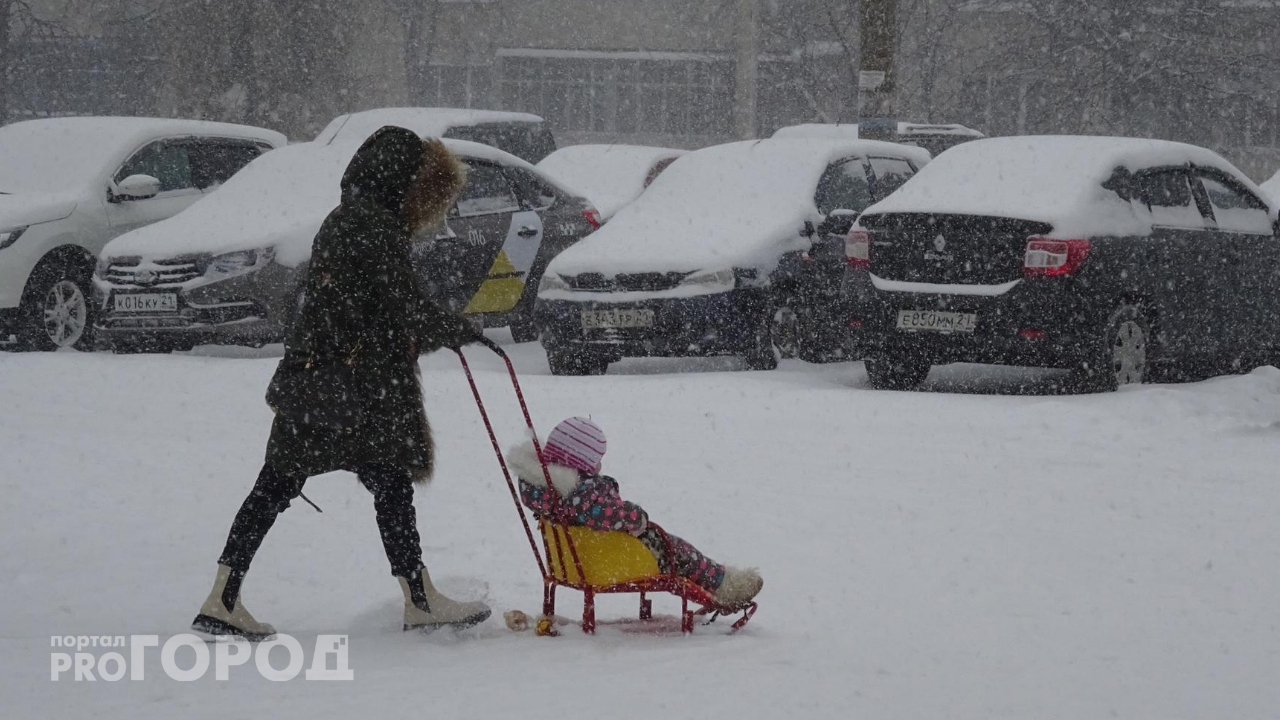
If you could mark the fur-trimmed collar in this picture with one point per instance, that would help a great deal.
(524, 460)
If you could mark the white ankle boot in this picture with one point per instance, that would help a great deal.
(426, 608)
(216, 618)
(739, 586)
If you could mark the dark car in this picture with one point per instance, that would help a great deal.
(703, 261)
(1118, 258)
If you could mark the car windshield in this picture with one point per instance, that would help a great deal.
(51, 157)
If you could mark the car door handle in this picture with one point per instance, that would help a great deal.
(527, 232)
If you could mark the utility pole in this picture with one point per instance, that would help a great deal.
(747, 70)
(877, 91)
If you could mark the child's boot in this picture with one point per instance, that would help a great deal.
(739, 586)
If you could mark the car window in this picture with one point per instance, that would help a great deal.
(536, 193)
(214, 162)
(168, 162)
(890, 173)
(528, 141)
(844, 186)
(1167, 194)
(1236, 210)
(487, 191)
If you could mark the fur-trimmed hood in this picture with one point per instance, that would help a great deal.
(416, 179)
(523, 459)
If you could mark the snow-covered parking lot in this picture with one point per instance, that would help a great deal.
(938, 554)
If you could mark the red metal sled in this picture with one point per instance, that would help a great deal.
(611, 563)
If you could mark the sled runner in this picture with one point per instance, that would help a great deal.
(594, 562)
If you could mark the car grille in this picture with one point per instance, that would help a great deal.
(627, 282)
(169, 271)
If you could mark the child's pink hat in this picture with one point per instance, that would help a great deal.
(577, 443)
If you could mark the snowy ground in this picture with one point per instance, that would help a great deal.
(940, 554)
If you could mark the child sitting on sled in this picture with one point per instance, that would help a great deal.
(574, 452)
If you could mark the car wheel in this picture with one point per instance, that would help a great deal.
(762, 355)
(566, 361)
(897, 373)
(524, 330)
(1122, 355)
(786, 332)
(58, 309)
(817, 338)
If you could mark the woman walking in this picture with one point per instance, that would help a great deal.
(347, 394)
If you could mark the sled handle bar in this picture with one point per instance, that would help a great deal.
(502, 461)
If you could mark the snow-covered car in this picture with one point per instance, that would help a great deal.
(521, 134)
(1115, 257)
(227, 271)
(72, 184)
(611, 176)
(1271, 189)
(936, 138)
(702, 262)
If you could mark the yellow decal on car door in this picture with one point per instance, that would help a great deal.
(506, 280)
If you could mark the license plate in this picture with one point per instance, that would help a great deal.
(148, 302)
(617, 318)
(936, 320)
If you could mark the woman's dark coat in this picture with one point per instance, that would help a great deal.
(363, 304)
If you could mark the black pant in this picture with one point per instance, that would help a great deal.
(392, 489)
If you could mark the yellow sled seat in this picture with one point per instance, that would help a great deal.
(608, 558)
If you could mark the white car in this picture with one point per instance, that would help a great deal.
(72, 184)
(611, 176)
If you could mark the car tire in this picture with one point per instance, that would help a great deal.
(57, 308)
(786, 333)
(897, 373)
(524, 330)
(762, 356)
(818, 339)
(1122, 354)
(576, 363)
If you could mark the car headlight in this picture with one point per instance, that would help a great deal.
(233, 263)
(721, 279)
(552, 281)
(10, 236)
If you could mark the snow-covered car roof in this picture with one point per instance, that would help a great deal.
(1271, 189)
(1052, 179)
(278, 200)
(850, 131)
(609, 175)
(737, 205)
(427, 122)
(55, 154)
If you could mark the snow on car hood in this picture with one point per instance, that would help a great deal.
(743, 204)
(1052, 179)
(611, 176)
(279, 200)
(22, 209)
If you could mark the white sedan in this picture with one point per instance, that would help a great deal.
(69, 185)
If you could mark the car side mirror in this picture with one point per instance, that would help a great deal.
(135, 187)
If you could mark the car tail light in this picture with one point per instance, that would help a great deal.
(593, 216)
(1053, 258)
(857, 248)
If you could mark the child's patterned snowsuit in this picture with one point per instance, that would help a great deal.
(596, 503)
